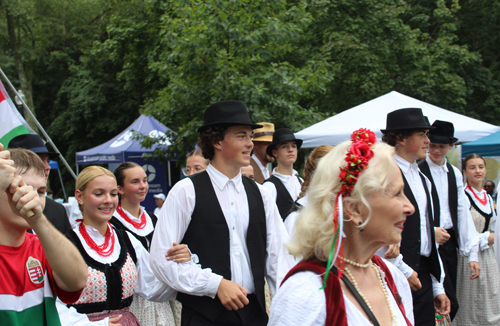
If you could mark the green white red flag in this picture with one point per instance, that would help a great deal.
(12, 123)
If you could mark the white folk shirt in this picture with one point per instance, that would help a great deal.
(487, 209)
(291, 183)
(173, 222)
(300, 301)
(141, 232)
(264, 169)
(148, 286)
(467, 242)
(412, 175)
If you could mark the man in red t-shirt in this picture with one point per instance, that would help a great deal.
(33, 268)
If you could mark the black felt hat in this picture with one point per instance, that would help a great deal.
(406, 119)
(280, 136)
(34, 143)
(227, 113)
(443, 133)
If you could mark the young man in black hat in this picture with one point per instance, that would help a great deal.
(229, 221)
(407, 132)
(55, 212)
(285, 183)
(453, 225)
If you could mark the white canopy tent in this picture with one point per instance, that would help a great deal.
(372, 115)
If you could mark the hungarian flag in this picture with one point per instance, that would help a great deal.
(12, 123)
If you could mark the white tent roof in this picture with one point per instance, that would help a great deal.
(372, 115)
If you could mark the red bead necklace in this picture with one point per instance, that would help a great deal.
(483, 201)
(103, 249)
(138, 225)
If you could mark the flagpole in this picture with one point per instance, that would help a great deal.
(37, 123)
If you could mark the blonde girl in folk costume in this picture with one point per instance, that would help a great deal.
(133, 187)
(479, 299)
(117, 263)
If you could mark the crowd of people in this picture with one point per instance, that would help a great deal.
(375, 233)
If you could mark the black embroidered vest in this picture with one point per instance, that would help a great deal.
(145, 240)
(112, 273)
(208, 236)
(410, 242)
(452, 196)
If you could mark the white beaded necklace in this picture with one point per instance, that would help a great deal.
(348, 272)
(358, 264)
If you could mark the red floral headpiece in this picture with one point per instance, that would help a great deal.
(357, 159)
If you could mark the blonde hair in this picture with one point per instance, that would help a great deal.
(314, 229)
(198, 152)
(90, 173)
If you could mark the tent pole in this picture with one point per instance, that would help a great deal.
(37, 123)
(62, 185)
(169, 175)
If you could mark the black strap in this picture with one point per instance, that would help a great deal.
(358, 297)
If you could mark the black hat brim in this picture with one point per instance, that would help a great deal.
(408, 128)
(228, 124)
(436, 139)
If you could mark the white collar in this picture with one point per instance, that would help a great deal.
(485, 208)
(405, 165)
(256, 159)
(221, 180)
(435, 166)
(284, 176)
(92, 231)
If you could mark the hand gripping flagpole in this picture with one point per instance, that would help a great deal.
(2, 74)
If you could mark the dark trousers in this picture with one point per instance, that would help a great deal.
(251, 315)
(448, 253)
(423, 299)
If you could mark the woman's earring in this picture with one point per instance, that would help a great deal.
(361, 229)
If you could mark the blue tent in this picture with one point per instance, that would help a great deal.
(123, 148)
(487, 146)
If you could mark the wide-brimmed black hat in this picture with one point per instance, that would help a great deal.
(443, 133)
(227, 113)
(34, 143)
(406, 119)
(280, 136)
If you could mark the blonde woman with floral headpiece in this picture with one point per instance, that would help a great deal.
(356, 205)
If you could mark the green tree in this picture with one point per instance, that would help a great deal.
(375, 50)
(219, 50)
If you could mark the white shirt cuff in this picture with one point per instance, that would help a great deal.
(437, 288)
(213, 285)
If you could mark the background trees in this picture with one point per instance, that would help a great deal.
(93, 65)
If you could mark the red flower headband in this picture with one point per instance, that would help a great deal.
(357, 159)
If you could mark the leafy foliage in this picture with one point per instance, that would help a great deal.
(94, 64)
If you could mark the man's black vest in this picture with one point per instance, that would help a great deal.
(452, 196)
(410, 242)
(284, 200)
(208, 236)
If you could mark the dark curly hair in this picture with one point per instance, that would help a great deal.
(207, 138)
(392, 137)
